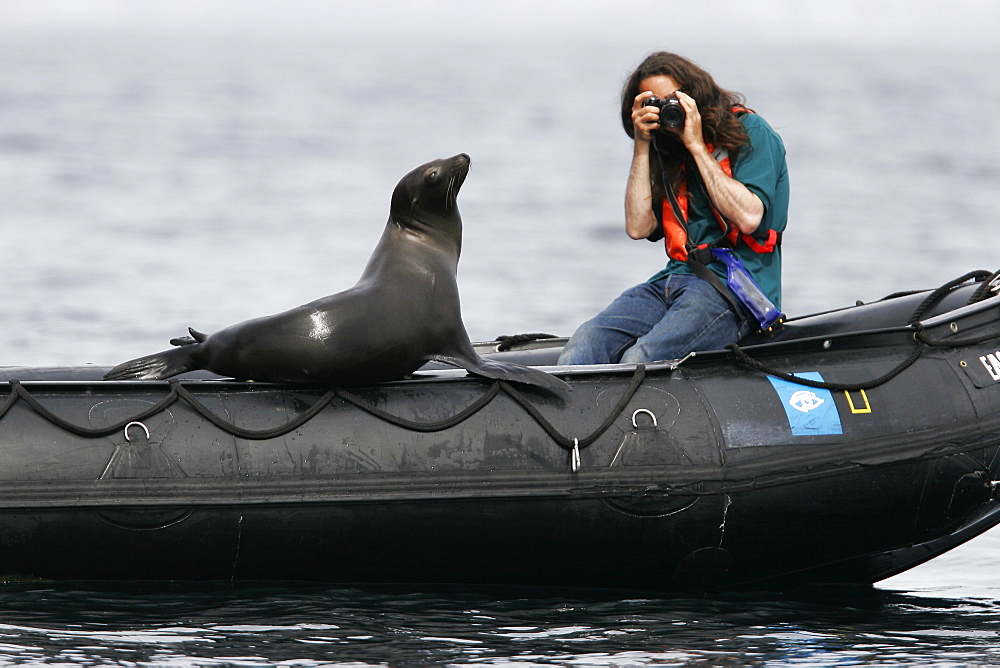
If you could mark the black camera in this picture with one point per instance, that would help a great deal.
(671, 112)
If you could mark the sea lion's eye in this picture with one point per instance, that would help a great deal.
(432, 175)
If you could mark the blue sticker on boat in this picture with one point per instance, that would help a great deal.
(811, 411)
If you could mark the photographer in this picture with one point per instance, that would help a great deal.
(708, 176)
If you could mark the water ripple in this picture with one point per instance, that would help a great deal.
(251, 625)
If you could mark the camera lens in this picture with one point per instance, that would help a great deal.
(672, 114)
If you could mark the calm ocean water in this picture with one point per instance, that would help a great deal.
(154, 180)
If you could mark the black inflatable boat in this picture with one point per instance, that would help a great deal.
(844, 448)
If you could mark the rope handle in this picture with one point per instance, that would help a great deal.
(178, 391)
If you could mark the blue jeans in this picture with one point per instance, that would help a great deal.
(663, 320)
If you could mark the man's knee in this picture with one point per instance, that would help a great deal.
(635, 355)
(580, 349)
(643, 352)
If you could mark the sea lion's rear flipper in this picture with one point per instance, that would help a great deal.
(156, 367)
(196, 337)
(509, 371)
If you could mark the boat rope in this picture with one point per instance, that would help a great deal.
(17, 391)
(941, 292)
(252, 434)
(425, 427)
(742, 358)
(990, 287)
(565, 442)
(991, 283)
(178, 391)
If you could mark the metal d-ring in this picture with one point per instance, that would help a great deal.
(647, 412)
(139, 424)
(574, 458)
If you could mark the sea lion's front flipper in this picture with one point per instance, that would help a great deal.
(508, 371)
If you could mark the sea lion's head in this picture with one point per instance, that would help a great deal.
(431, 189)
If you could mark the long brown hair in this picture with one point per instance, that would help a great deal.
(720, 126)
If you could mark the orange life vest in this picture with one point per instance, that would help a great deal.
(675, 235)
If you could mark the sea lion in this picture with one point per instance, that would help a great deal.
(403, 312)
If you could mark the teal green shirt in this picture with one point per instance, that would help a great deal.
(760, 166)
